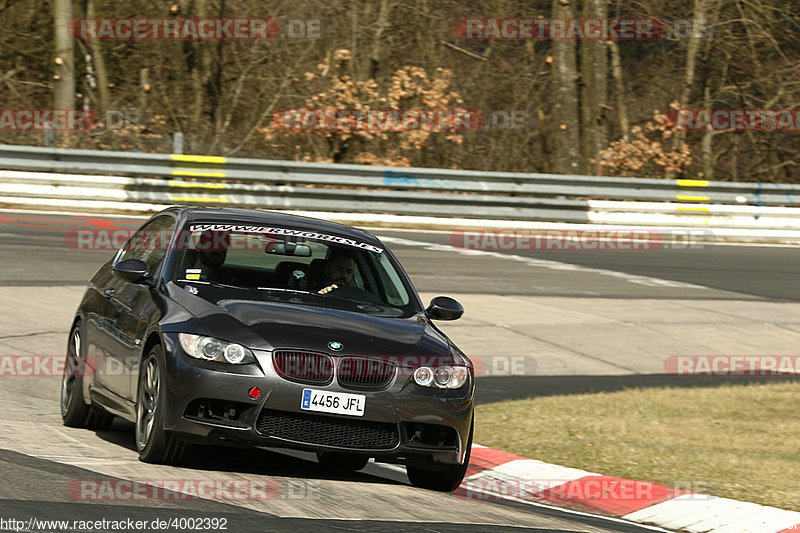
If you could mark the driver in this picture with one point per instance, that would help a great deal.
(212, 250)
(338, 271)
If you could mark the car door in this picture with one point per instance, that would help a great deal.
(134, 306)
(97, 333)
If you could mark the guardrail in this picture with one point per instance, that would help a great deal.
(131, 181)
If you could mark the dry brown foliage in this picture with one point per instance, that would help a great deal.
(646, 154)
(408, 88)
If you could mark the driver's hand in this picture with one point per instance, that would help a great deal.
(328, 289)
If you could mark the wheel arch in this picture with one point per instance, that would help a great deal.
(78, 323)
(153, 339)
(78, 320)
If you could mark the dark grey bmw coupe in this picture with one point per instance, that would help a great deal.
(252, 328)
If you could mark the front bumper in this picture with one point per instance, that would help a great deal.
(208, 403)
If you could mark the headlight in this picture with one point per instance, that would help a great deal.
(212, 349)
(423, 376)
(441, 377)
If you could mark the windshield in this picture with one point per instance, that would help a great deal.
(277, 263)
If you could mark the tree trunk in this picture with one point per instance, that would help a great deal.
(352, 65)
(99, 62)
(698, 22)
(64, 97)
(144, 88)
(707, 143)
(375, 56)
(619, 82)
(619, 89)
(594, 90)
(566, 134)
(206, 77)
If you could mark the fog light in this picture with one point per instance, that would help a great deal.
(254, 393)
(423, 376)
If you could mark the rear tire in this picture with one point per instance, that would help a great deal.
(440, 476)
(74, 412)
(342, 461)
(153, 442)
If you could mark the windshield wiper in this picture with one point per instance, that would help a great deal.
(286, 290)
(213, 284)
(328, 295)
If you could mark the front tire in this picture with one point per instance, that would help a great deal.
(153, 442)
(439, 476)
(74, 412)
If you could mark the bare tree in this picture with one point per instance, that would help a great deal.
(567, 135)
(594, 90)
(64, 60)
(98, 61)
(699, 21)
(619, 90)
(380, 26)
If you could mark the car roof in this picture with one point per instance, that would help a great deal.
(272, 218)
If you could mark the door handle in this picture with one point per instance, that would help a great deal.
(108, 293)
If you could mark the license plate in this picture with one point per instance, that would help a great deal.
(340, 403)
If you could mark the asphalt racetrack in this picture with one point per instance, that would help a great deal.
(576, 321)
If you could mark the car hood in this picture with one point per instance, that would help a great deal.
(269, 325)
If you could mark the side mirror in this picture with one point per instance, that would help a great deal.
(444, 308)
(133, 270)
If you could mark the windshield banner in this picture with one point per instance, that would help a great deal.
(313, 235)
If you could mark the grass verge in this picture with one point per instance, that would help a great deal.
(733, 441)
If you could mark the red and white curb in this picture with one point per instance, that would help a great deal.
(494, 474)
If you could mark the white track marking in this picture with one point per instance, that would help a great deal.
(545, 263)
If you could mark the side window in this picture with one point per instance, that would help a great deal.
(150, 243)
(395, 291)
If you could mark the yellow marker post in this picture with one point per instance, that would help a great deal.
(196, 166)
(196, 185)
(213, 159)
(692, 183)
